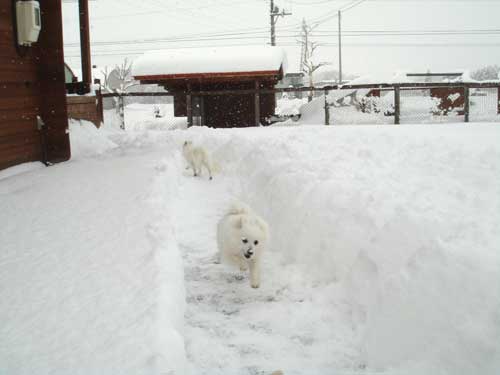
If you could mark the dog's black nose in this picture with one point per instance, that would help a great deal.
(250, 252)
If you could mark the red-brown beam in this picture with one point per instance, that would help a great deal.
(83, 6)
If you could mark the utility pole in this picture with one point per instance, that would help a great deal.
(340, 51)
(344, 9)
(274, 13)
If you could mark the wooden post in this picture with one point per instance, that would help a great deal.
(498, 101)
(100, 106)
(397, 104)
(202, 111)
(189, 106)
(466, 103)
(327, 109)
(257, 103)
(83, 6)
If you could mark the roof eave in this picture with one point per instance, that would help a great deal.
(270, 74)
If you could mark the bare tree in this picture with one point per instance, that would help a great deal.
(118, 81)
(308, 47)
(105, 74)
(124, 75)
(490, 72)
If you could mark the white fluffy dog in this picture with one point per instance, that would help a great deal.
(241, 237)
(197, 157)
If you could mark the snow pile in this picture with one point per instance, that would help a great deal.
(87, 140)
(384, 254)
(91, 275)
(20, 169)
(398, 77)
(210, 60)
(289, 107)
(403, 220)
(313, 112)
(141, 117)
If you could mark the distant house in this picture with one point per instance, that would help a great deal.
(218, 69)
(450, 98)
(292, 80)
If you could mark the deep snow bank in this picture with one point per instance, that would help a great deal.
(404, 219)
(91, 278)
(87, 140)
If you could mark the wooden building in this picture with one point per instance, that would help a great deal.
(217, 73)
(33, 113)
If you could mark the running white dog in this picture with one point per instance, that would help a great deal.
(241, 237)
(197, 157)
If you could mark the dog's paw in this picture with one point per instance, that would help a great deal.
(243, 268)
(255, 285)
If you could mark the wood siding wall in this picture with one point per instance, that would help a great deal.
(31, 84)
(86, 108)
(228, 111)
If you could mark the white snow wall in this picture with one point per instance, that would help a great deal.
(404, 219)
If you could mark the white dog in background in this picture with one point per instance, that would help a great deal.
(197, 157)
(241, 237)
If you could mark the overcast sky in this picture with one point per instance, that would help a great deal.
(469, 30)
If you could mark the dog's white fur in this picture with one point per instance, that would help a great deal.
(242, 237)
(197, 157)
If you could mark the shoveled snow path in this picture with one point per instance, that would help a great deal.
(286, 324)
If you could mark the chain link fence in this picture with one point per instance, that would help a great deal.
(348, 105)
(485, 104)
(366, 106)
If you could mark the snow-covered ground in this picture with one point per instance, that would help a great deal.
(384, 255)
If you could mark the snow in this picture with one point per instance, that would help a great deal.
(210, 60)
(384, 253)
(86, 140)
(141, 118)
(289, 106)
(90, 267)
(19, 169)
(370, 79)
(385, 250)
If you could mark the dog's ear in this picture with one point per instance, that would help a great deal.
(239, 223)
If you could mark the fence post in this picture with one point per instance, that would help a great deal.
(100, 106)
(257, 103)
(498, 99)
(466, 103)
(189, 106)
(397, 104)
(327, 109)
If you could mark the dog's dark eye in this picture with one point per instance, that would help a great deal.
(255, 242)
(244, 240)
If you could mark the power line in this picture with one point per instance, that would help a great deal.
(257, 35)
(354, 45)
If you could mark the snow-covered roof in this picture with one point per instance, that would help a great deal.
(459, 75)
(398, 77)
(213, 60)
